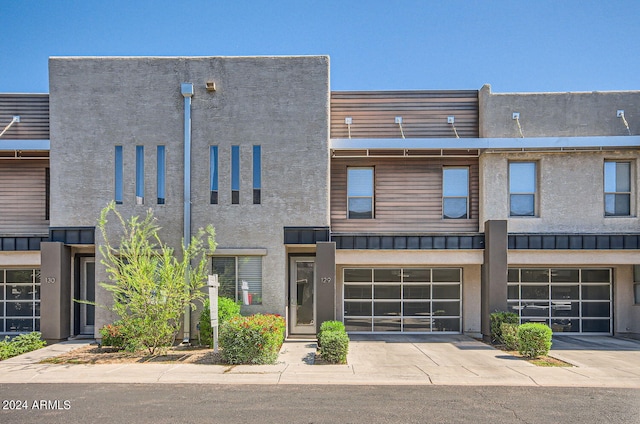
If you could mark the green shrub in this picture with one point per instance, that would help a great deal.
(534, 339)
(152, 284)
(330, 326)
(497, 318)
(227, 309)
(113, 335)
(334, 346)
(20, 344)
(509, 334)
(252, 340)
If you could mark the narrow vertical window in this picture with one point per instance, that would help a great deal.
(257, 175)
(636, 285)
(235, 175)
(118, 175)
(140, 175)
(161, 178)
(360, 193)
(617, 188)
(47, 193)
(522, 189)
(455, 193)
(213, 174)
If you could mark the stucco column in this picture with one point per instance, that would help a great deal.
(325, 282)
(55, 291)
(494, 273)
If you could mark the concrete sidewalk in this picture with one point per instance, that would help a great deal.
(372, 360)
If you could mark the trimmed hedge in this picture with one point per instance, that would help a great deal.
(509, 334)
(330, 326)
(227, 309)
(497, 318)
(534, 339)
(252, 340)
(333, 342)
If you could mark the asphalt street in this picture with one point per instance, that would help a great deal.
(168, 403)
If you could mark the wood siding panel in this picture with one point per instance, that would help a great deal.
(424, 113)
(408, 196)
(33, 110)
(23, 197)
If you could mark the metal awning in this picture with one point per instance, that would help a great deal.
(535, 143)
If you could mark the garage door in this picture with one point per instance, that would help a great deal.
(19, 300)
(575, 300)
(421, 300)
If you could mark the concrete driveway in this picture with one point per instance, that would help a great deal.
(372, 360)
(598, 352)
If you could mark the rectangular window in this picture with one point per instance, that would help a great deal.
(213, 175)
(455, 193)
(140, 175)
(240, 277)
(118, 175)
(257, 174)
(161, 174)
(636, 286)
(235, 175)
(522, 188)
(47, 193)
(360, 193)
(617, 188)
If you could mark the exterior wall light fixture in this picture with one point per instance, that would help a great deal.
(348, 121)
(620, 114)
(210, 86)
(451, 120)
(16, 119)
(399, 122)
(516, 117)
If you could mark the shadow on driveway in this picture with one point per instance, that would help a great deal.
(597, 343)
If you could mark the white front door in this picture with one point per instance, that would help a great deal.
(302, 305)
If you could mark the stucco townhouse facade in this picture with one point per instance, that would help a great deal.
(392, 211)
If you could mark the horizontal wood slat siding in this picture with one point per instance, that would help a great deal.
(33, 110)
(408, 196)
(23, 197)
(424, 113)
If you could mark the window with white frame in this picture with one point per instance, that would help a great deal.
(617, 188)
(522, 188)
(234, 272)
(455, 192)
(360, 193)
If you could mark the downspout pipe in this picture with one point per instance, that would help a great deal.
(186, 89)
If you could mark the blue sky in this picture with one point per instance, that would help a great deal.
(536, 45)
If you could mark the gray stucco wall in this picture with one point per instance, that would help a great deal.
(558, 114)
(570, 194)
(280, 103)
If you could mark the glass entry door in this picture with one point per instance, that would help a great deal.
(302, 304)
(88, 293)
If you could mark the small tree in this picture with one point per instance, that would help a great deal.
(151, 286)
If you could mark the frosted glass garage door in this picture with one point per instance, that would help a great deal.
(421, 300)
(569, 300)
(19, 300)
